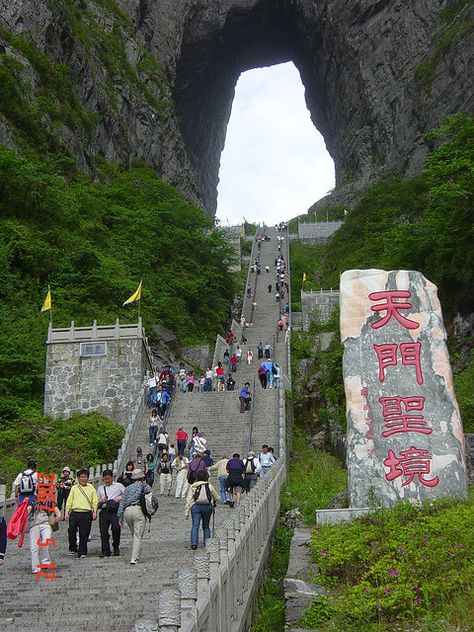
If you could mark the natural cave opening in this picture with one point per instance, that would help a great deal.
(213, 55)
(275, 163)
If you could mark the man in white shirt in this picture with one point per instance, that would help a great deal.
(26, 484)
(151, 386)
(266, 459)
(110, 494)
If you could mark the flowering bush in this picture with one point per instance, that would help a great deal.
(403, 565)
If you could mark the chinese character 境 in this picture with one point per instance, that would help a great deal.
(411, 463)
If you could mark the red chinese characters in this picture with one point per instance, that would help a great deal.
(410, 463)
(391, 308)
(410, 354)
(398, 415)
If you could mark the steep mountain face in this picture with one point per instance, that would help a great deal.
(155, 79)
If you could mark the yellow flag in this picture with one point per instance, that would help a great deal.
(47, 302)
(304, 277)
(136, 296)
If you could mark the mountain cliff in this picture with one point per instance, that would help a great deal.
(153, 81)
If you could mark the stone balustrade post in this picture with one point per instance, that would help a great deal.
(202, 565)
(117, 329)
(71, 331)
(94, 330)
(221, 534)
(187, 584)
(169, 611)
(212, 545)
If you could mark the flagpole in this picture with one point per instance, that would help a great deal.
(51, 308)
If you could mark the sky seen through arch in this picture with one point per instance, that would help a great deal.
(275, 163)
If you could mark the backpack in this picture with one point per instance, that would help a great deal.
(253, 467)
(27, 484)
(201, 498)
(200, 466)
(274, 369)
(148, 505)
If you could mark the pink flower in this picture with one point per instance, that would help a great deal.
(393, 571)
(402, 550)
(418, 601)
(387, 591)
(323, 553)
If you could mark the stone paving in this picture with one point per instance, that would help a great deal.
(108, 594)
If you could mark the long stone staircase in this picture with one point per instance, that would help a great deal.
(107, 594)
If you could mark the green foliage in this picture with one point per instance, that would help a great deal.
(457, 25)
(305, 259)
(402, 567)
(80, 440)
(461, 354)
(93, 243)
(315, 478)
(316, 403)
(249, 228)
(426, 223)
(271, 607)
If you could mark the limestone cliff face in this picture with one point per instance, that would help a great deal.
(160, 76)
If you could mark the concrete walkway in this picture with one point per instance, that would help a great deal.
(107, 594)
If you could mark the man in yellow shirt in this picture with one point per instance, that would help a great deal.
(81, 510)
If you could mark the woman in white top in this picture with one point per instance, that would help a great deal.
(180, 466)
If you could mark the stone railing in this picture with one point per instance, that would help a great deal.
(218, 590)
(130, 438)
(118, 331)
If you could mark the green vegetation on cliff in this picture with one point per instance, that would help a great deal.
(93, 242)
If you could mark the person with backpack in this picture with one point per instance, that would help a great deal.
(235, 479)
(220, 377)
(197, 464)
(190, 381)
(199, 502)
(252, 470)
(25, 484)
(230, 383)
(234, 361)
(260, 350)
(180, 466)
(81, 510)
(164, 470)
(130, 511)
(110, 494)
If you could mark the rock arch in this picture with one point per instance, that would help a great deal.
(358, 62)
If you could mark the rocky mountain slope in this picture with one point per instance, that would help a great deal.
(151, 80)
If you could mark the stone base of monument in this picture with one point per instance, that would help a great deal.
(335, 516)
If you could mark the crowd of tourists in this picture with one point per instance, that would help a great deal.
(183, 468)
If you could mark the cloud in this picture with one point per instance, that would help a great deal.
(274, 164)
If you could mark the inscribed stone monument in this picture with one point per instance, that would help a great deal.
(404, 432)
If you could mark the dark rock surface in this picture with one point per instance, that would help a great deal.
(378, 75)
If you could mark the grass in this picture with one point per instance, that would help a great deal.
(315, 478)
